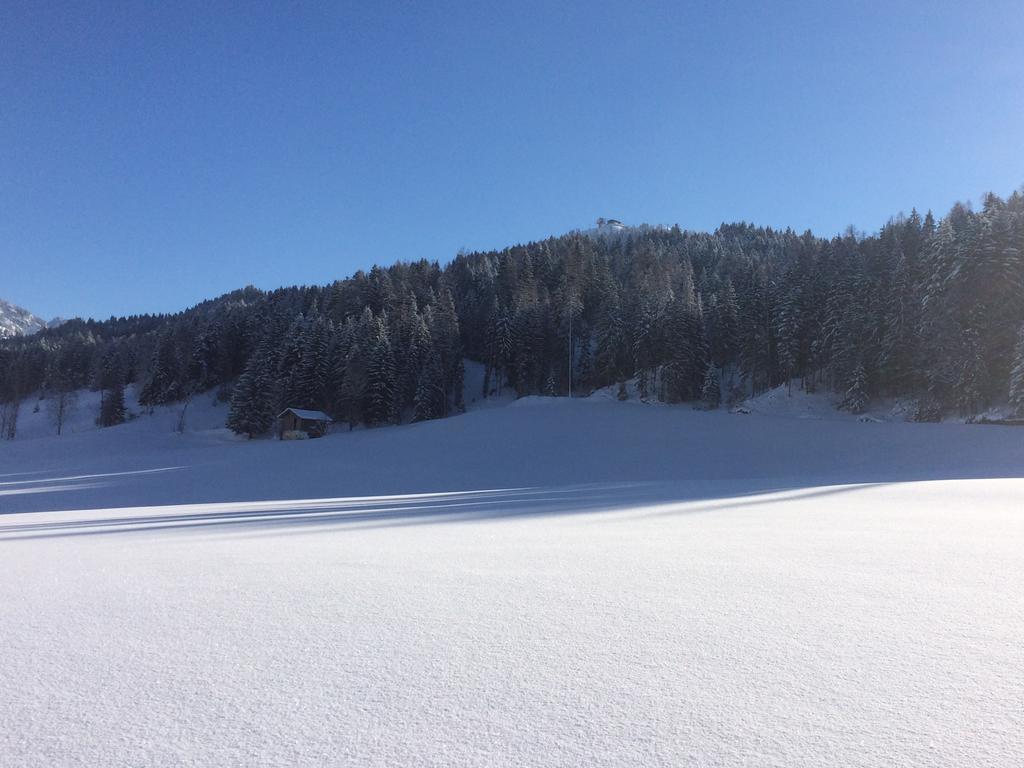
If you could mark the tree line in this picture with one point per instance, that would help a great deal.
(924, 309)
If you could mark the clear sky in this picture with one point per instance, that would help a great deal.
(156, 154)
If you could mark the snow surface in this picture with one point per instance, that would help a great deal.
(550, 583)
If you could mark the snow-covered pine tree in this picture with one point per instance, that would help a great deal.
(584, 375)
(500, 351)
(443, 323)
(201, 363)
(725, 341)
(163, 381)
(856, 399)
(940, 323)
(612, 345)
(380, 407)
(1017, 376)
(404, 324)
(711, 391)
(969, 387)
(112, 408)
(550, 388)
(755, 354)
(310, 380)
(646, 341)
(109, 379)
(896, 351)
(254, 400)
(429, 398)
(293, 345)
(351, 395)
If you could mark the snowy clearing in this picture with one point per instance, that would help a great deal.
(549, 583)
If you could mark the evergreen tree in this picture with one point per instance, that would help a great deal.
(201, 363)
(112, 409)
(351, 394)
(311, 374)
(1017, 376)
(443, 323)
(972, 376)
(755, 353)
(254, 401)
(686, 348)
(725, 340)
(429, 398)
(550, 388)
(856, 399)
(162, 384)
(611, 355)
(380, 405)
(711, 392)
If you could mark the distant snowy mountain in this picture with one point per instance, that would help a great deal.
(15, 321)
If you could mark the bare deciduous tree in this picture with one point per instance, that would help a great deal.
(60, 406)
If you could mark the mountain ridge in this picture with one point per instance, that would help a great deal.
(18, 321)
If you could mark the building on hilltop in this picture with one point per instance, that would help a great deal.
(607, 226)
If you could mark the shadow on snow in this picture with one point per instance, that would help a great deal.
(406, 509)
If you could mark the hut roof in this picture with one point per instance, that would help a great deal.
(302, 413)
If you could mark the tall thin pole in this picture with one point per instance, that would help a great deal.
(570, 343)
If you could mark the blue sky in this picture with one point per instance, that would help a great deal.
(151, 157)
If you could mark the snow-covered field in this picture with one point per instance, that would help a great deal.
(547, 583)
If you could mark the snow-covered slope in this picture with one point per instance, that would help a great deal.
(16, 321)
(548, 583)
(35, 419)
(791, 402)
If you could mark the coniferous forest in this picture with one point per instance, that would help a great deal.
(924, 309)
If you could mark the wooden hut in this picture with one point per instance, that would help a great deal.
(292, 423)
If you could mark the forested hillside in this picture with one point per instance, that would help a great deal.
(927, 309)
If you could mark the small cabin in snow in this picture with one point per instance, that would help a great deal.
(298, 423)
